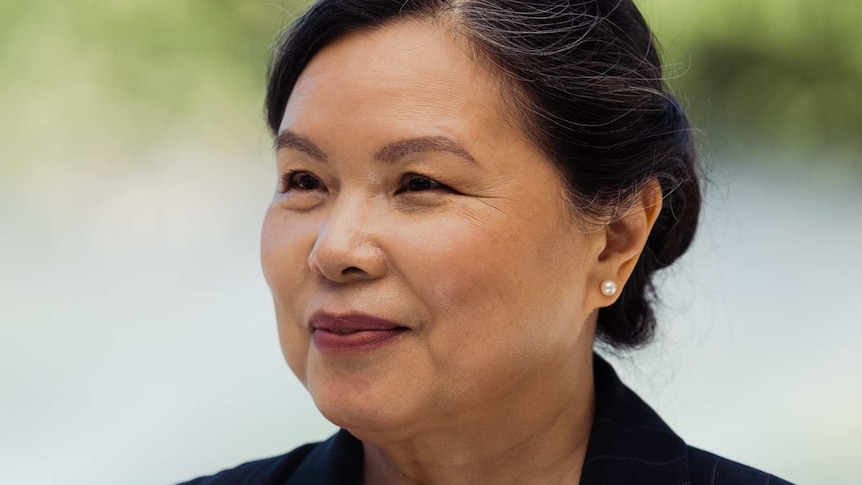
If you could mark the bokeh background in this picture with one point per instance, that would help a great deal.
(137, 339)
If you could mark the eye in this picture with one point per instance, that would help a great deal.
(298, 180)
(413, 182)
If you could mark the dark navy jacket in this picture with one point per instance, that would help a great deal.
(629, 445)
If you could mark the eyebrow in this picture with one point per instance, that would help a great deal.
(290, 140)
(399, 149)
(390, 153)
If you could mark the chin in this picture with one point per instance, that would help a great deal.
(361, 419)
(363, 410)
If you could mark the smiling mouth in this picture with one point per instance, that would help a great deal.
(352, 332)
(345, 331)
(354, 340)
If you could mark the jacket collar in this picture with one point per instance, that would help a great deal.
(336, 461)
(628, 444)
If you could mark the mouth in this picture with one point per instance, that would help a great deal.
(352, 332)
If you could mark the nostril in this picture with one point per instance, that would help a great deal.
(343, 256)
(352, 270)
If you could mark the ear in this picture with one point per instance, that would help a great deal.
(625, 236)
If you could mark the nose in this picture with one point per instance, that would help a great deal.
(345, 250)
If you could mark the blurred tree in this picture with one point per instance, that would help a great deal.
(89, 74)
(780, 73)
(769, 73)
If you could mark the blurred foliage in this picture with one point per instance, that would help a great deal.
(772, 73)
(159, 50)
(90, 76)
(778, 73)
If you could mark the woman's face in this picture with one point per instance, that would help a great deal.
(422, 258)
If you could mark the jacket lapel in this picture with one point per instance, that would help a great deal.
(629, 443)
(336, 461)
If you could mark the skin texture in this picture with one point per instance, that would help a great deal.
(495, 277)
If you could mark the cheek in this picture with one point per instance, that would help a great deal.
(455, 263)
(283, 264)
(285, 245)
(482, 280)
(505, 292)
(464, 262)
(270, 251)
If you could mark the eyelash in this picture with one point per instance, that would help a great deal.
(289, 182)
(410, 176)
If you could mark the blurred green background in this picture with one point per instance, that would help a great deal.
(138, 342)
(772, 74)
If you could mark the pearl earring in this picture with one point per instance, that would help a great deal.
(609, 288)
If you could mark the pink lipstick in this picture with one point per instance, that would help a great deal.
(352, 332)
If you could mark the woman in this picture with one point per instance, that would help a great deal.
(470, 194)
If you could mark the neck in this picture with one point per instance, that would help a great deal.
(536, 438)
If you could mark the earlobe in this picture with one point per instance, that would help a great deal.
(625, 238)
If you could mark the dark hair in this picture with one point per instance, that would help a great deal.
(586, 81)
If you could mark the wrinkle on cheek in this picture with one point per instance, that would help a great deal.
(482, 227)
(522, 205)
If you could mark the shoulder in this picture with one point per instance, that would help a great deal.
(270, 470)
(709, 469)
(630, 444)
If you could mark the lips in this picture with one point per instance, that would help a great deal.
(352, 332)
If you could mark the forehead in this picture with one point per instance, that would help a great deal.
(408, 72)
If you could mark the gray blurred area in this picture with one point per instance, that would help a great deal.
(138, 341)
